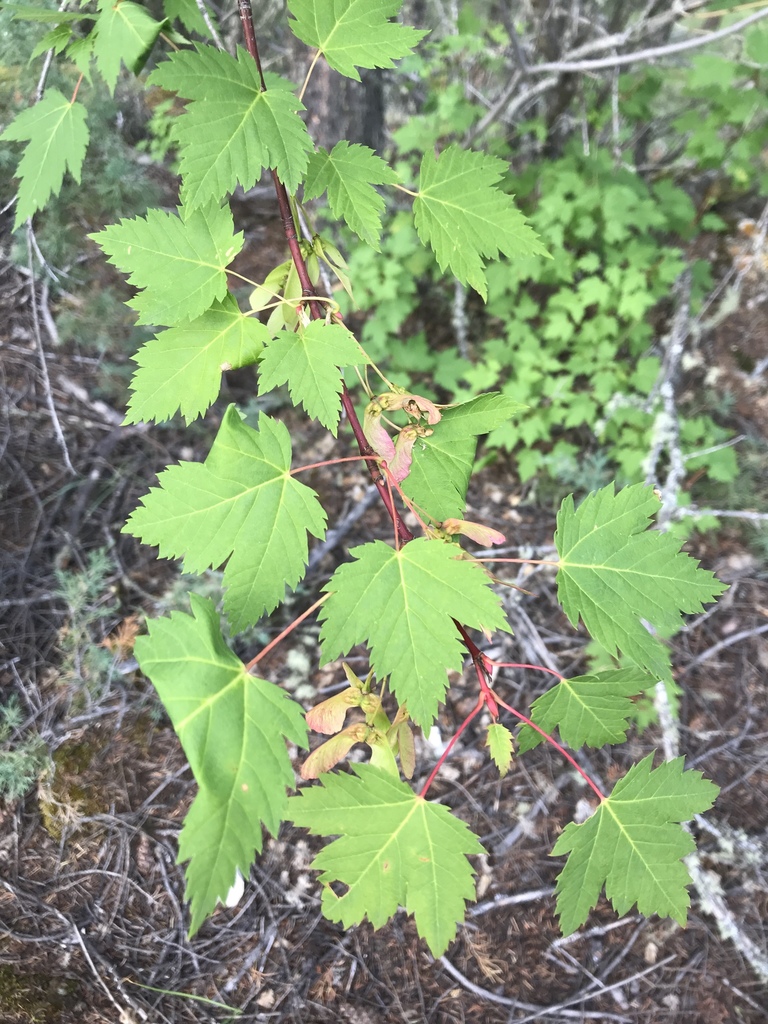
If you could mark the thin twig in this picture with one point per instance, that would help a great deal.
(652, 53)
(41, 356)
(335, 536)
(209, 24)
(509, 901)
(708, 886)
(722, 513)
(592, 991)
(666, 425)
(516, 1004)
(745, 634)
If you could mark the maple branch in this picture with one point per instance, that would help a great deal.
(550, 739)
(308, 292)
(281, 636)
(451, 744)
(515, 664)
(331, 462)
(479, 661)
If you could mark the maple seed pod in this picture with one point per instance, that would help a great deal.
(415, 405)
(400, 466)
(328, 716)
(375, 434)
(480, 534)
(329, 754)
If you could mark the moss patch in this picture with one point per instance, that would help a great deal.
(34, 998)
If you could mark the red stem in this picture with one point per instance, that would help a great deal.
(517, 664)
(281, 636)
(331, 462)
(550, 739)
(521, 561)
(479, 660)
(441, 761)
(308, 291)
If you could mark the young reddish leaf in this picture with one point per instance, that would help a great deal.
(480, 534)
(400, 465)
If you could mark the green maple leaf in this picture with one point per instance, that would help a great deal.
(179, 262)
(592, 709)
(188, 14)
(396, 849)
(124, 32)
(614, 572)
(241, 504)
(57, 136)
(349, 173)
(232, 129)
(465, 219)
(180, 369)
(500, 746)
(402, 604)
(633, 845)
(25, 12)
(233, 727)
(353, 34)
(443, 462)
(308, 361)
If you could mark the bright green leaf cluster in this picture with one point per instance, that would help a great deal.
(179, 262)
(614, 572)
(633, 845)
(181, 368)
(442, 462)
(309, 363)
(349, 173)
(353, 34)
(395, 850)
(57, 134)
(241, 506)
(233, 727)
(403, 603)
(465, 218)
(232, 129)
(125, 33)
(588, 710)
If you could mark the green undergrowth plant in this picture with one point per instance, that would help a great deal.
(420, 602)
(24, 755)
(575, 337)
